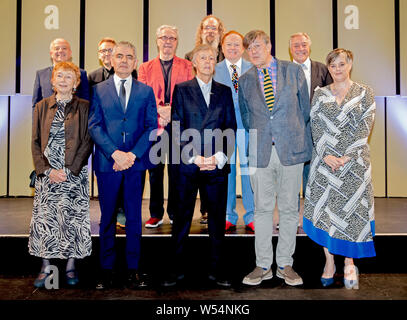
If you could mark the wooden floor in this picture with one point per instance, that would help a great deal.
(15, 215)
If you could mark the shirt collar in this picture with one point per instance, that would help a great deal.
(117, 79)
(204, 85)
(307, 63)
(273, 61)
(238, 64)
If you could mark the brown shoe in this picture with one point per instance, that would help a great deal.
(289, 275)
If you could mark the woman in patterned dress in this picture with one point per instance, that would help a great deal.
(339, 202)
(61, 145)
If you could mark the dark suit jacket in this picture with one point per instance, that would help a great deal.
(113, 129)
(320, 76)
(43, 87)
(189, 109)
(288, 123)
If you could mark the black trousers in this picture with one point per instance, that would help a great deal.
(213, 186)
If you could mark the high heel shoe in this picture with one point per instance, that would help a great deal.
(40, 282)
(326, 282)
(351, 283)
(72, 281)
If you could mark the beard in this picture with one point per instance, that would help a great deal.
(212, 42)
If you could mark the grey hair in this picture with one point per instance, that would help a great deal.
(51, 45)
(300, 34)
(125, 44)
(203, 47)
(166, 26)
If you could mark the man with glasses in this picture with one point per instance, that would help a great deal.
(275, 107)
(105, 48)
(162, 74)
(210, 31)
(59, 50)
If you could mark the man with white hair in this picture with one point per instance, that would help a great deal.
(59, 50)
(162, 74)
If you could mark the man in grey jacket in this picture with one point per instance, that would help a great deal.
(275, 107)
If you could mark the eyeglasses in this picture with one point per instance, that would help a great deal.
(213, 28)
(165, 38)
(105, 51)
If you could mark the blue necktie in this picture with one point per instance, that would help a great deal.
(122, 95)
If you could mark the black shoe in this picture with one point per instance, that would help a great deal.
(106, 280)
(135, 280)
(204, 218)
(220, 281)
(172, 280)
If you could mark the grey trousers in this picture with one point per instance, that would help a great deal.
(282, 184)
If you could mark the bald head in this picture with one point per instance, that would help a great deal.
(60, 51)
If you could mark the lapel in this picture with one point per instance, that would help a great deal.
(314, 76)
(253, 73)
(132, 97)
(199, 98)
(280, 81)
(245, 66)
(224, 74)
(213, 102)
(111, 89)
(174, 74)
(157, 73)
(51, 115)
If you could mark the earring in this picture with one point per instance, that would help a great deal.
(73, 89)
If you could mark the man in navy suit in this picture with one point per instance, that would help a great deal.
(122, 117)
(59, 50)
(203, 110)
(228, 72)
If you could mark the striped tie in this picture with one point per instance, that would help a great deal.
(268, 89)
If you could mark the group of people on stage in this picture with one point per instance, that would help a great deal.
(289, 122)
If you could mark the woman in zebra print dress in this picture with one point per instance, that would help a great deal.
(61, 145)
(339, 202)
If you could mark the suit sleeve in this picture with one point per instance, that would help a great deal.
(83, 89)
(150, 126)
(97, 127)
(86, 146)
(37, 95)
(41, 163)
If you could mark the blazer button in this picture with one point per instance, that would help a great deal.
(124, 119)
(271, 117)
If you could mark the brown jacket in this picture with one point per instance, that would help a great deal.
(78, 143)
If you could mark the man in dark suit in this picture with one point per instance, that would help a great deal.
(105, 49)
(275, 108)
(123, 114)
(203, 110)
(59, 50)
(316, 74)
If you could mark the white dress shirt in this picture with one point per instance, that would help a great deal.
(127, 86)
(306, 67)
(238, 65)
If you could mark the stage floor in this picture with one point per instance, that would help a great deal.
(15, 215)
